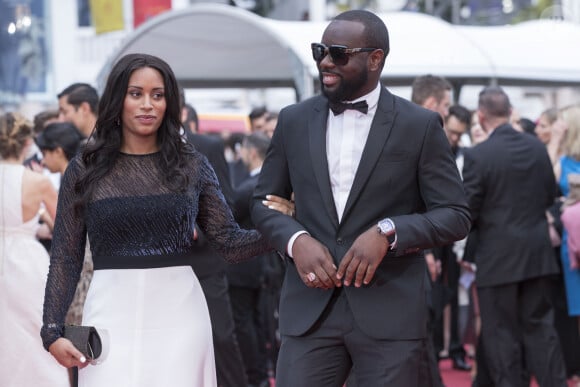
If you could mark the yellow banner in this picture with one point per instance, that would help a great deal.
(107, 15)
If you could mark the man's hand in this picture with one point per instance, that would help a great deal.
(66, 354)
(362, 259)
(314, 263)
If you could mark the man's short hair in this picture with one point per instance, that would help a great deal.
(426, 86)
(257, 112)
(77, 93)
(462, 114)
(258, 141)
(494, 102)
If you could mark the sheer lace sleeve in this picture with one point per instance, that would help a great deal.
(66, 258)
(216, 220)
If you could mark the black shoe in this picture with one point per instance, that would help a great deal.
(460, 364)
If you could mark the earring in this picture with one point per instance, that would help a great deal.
(118, 122)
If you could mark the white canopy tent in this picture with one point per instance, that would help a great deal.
(535, 52)
(212, 45)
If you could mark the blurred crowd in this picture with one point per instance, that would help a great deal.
(244, 315)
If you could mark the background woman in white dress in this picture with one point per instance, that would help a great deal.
(23, 262)
(137, 190)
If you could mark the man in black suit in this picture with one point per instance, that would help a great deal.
(371, 190)
(247, 280)
(434, 93)
(510, 184)
(455, 124)
(210, 269)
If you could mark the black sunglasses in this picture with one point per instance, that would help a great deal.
(339, 54)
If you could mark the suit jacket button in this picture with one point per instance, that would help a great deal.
(339, 241)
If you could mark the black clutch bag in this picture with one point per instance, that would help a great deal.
(86, 339)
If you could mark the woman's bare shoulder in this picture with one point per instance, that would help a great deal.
(39, 180)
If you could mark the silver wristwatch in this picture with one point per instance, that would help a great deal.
(387, 228)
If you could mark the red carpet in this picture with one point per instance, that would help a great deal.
(454, 378)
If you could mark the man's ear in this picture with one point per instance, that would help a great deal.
(375, 60)
(85, 107)
(430, 103)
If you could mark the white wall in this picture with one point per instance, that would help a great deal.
(571, 10)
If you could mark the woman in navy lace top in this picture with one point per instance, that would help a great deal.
(137, 190)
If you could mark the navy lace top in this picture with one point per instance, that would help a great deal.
(134, 220)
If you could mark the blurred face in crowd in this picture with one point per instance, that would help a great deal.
(270, 126)
(515, 121)
(543, 129)
(478, 135)
(258, 123)
(440, 106)
(54, 160)
(454, 129)
(70, 113)
(143, 108)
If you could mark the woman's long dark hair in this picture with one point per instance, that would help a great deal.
(104, 144)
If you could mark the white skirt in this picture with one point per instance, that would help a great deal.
(158, 328)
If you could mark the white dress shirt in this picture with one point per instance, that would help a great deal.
(346, 137)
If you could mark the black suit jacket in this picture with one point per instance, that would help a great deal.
(509, 182)
(406, 172)
(238, 172)
(246, 274)
(205, 260)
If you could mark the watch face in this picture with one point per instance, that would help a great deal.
(386, 226)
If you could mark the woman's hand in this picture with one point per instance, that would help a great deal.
(279, 204)
(66, 354)
(46, 218)
(43, 232)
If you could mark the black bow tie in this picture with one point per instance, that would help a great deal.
(339, 107)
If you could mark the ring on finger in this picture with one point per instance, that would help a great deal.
(311, 277)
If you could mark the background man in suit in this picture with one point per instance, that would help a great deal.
(210, 269)
(433, 93)
(257, 118)
(247, 281)
(372, 189)
(510, 184)
(456, 124)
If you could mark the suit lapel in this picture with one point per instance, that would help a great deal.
(317, 137)
(378, 135)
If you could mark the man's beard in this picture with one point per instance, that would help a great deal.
(346, 89)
